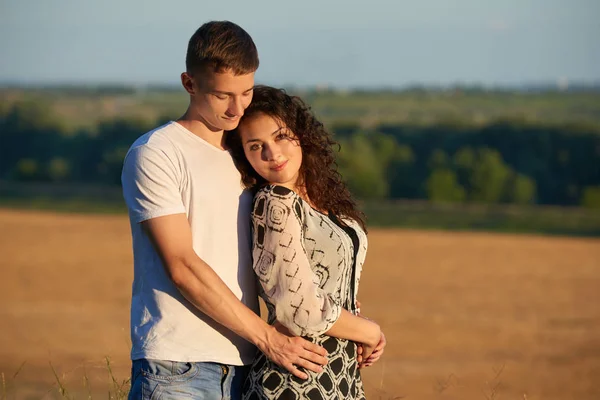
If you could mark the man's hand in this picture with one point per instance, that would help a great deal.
(375, 355)
(291, 352)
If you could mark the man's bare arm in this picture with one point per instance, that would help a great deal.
(200, 285)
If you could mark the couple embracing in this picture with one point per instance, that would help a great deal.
(241, 197)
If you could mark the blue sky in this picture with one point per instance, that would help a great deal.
(368, 43)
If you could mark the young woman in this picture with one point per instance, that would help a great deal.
(309, 244)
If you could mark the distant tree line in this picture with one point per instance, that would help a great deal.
(503, 162)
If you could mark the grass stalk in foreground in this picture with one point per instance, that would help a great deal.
(86, 383)
(61, 389)
(120, 389)
(5, 384)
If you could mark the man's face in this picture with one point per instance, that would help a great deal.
(219, 98)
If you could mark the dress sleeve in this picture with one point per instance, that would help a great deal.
(282, 265)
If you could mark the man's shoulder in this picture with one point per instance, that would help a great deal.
(156, 138)
(160, 142)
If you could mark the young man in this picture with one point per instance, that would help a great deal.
(194, 321)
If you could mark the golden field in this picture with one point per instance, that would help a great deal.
(466, 315)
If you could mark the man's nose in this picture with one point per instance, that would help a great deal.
(236, 107)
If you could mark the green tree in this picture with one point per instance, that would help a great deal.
(384, 146)
(58, 169)
(488, 177)
(443, 187)
(482, 173)
(111, 165)
(464, 161)
(591, 197)
(403, 180)
(27, 169)
(28, 130)
(361, 168)
(520, 189)
(438, 159)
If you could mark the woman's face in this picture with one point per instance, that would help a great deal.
(272, 149)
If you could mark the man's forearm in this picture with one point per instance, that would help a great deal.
(202, 287)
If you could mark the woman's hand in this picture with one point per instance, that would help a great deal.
(366, 348)
(367, 351)
(359, 346)
(375, 354)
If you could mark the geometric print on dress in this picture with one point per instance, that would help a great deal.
(339, 380)
(303, 259)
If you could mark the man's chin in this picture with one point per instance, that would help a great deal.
(229, 125)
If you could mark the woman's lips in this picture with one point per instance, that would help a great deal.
(279, 167)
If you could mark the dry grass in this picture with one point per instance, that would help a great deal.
(467, 316)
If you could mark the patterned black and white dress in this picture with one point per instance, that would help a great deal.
(309, 266)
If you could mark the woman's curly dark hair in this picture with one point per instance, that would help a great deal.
(318, 172)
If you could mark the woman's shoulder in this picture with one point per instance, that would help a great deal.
(276, 191)
(280, 198)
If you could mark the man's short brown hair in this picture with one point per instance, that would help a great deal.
(220, 46)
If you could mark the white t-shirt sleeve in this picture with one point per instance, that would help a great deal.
(151, 184)
(284, 271)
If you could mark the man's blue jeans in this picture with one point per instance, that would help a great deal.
(158, 379)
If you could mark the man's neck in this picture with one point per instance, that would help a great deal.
(200, 129)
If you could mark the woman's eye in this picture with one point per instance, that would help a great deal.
(221, 97)
(254, 147)
(283, 136)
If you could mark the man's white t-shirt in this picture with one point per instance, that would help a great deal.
(170, 171)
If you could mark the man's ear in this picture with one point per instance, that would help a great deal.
(188, 83)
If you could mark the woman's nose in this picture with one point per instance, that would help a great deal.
(271, 153)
